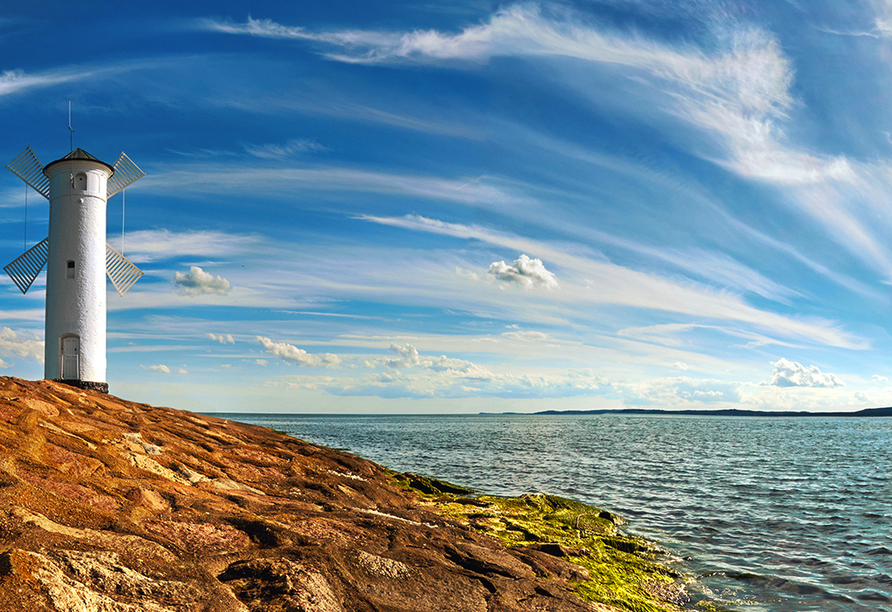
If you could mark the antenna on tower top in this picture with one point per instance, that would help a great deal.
(70, 129)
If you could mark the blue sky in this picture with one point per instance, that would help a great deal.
(409, 207)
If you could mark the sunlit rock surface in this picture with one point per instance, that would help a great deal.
(113, 506)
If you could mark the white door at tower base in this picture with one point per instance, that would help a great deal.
(71, 348)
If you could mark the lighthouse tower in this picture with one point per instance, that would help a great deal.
(77, 258)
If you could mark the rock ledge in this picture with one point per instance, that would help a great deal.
(114, 506)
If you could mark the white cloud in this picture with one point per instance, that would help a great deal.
(222, 338)
(526, 336)
(526, 272)
(792, 374)
(607, 283)
(160, 368)
(198, 282)
(735, 93)
(11, 343)
(283, 151)
(151, 245)
(459, 271)
(407, 356)
(202, 180)
(879, 378)
(680, 392)
(14, 81)
(292, 354)
(266, 28)
(737, 96)
(182, 371)
(261, 362)
(410, 374)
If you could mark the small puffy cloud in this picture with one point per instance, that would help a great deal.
(879, 378)
(222, 338)
(198, 282)
(182, 371)
(526, 272)
(528, 336)
(292, 354)
(12, 343)
(407, 357)
(160, 368)
(792, 374)
(261, 362)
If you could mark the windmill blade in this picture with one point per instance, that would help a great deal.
(27, 167)
(126, 172)
(28, 265)
(120, 271)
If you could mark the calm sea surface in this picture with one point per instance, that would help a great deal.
(769, 514)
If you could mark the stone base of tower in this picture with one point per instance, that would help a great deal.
(89, 385)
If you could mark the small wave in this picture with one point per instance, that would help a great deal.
(783, 585)
(874, 597)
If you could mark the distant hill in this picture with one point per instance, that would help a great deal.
(868, 412)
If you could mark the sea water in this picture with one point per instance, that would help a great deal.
(768, 514)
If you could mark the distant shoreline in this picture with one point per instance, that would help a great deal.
(868, 412)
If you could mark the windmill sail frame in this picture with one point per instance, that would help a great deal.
(27, 167)
(25, 268)
(126, 172)
(121, 271)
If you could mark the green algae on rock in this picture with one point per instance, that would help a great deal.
(620, 570)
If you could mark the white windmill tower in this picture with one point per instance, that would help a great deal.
(78, 187)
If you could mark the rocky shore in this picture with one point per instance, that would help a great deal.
(113, 506)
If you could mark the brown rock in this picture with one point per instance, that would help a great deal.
(113, 506)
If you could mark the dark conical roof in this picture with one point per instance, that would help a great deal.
(82, 155)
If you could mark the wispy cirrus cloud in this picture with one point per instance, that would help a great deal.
(273, 181)
(673, 334)
(17, 81)
(607, 283)
(153, 245)
(285, 150)
(736, 92)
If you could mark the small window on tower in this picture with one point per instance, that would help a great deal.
(80, 181)
(69, 273)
